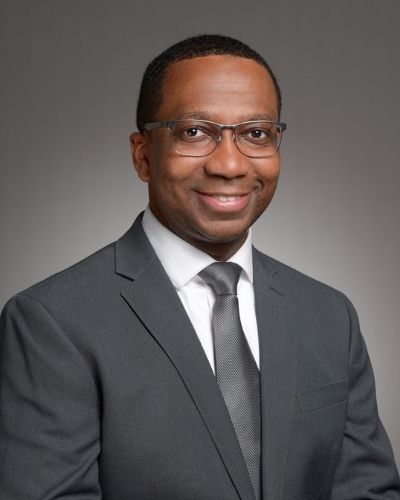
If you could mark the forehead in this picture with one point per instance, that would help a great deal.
(220, 88)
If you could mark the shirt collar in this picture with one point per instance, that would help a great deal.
(181, 260)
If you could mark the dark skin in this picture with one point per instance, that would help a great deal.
(210, 202)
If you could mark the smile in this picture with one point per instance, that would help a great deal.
(227, 199)
(225, 203)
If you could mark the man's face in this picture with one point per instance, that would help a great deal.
(210, 201)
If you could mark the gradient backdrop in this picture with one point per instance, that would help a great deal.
(70, 72)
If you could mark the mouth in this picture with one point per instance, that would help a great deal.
(226, 198)
(223, 202)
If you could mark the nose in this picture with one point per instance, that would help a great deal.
(226, 160)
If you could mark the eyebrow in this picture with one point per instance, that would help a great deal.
(201, 115)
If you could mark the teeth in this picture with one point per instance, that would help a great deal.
(225, 199)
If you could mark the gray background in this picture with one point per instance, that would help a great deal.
(70, 72)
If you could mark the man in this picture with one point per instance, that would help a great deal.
(137, 374)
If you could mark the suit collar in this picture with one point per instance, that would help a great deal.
(133, 252)
(269, 270)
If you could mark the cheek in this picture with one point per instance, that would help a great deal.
(273, 180)
(174, 173)
(269, 180)
(269, 175)
(168, 186)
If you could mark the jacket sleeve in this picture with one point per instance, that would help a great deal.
(49, 416)
(366, 468)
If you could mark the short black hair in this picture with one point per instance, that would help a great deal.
(151, 89)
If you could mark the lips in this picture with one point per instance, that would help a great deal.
(226, 199)
(224, 202)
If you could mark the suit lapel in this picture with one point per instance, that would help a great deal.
(152, 297)
(277, 367)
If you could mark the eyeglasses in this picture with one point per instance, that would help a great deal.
(256, 138)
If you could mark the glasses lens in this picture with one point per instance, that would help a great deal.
(258, 139)
(194, 138)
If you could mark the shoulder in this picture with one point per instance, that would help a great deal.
(303, 290)
(290, 276)
(88, 272)
(73, 285)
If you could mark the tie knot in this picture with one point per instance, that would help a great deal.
(223, 277)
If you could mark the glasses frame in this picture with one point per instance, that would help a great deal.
(170, 124)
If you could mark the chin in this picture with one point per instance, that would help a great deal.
(221, 237)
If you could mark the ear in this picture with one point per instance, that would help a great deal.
(139, 149)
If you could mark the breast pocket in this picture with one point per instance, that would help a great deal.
(320, 397)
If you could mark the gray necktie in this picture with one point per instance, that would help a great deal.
(237, 374)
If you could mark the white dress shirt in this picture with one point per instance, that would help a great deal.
(182, 262)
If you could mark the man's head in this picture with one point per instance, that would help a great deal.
(209, 200)
(151, 91)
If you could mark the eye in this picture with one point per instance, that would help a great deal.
(258, 133)
(193, 132)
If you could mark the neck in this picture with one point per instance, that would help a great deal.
(221, 251)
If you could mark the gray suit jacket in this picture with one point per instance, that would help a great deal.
(107, 393)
